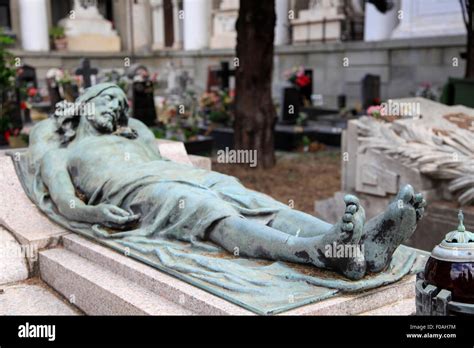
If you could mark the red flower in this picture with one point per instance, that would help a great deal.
(32, 92)
(303, 81)
(23, 105)
(7, 135)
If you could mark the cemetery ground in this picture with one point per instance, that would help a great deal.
(300, 178)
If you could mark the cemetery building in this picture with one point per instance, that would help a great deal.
(415, 42)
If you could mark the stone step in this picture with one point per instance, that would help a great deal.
(13, 265)
(98, 291)
(402, 307)
(33, 298)
(151, 280)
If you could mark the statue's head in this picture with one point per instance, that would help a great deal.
(104, 107)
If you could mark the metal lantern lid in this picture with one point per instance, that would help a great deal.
(457, 246)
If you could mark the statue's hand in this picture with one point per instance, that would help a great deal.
(112, 216)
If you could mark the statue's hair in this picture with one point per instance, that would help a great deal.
(67, 114)
(66, 117)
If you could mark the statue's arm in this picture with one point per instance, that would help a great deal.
(55, 175)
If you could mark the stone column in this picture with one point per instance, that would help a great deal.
(141, 25)
(196, 24)
(282, 34)
(158, 24)
(379, 26)
(34, 25)
(177, 26)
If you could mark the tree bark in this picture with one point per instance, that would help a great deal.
(255, 114)
(470, 41)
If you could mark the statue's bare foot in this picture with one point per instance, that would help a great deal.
(342, 243)
(385, 232)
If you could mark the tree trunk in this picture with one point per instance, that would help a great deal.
(470, 42)
(255, 114)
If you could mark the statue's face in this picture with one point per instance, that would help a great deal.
(110, 110)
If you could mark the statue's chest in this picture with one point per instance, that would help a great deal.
(106, 149)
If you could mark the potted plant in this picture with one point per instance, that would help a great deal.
(58, 37)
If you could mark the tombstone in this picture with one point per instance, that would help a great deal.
(53, 91)
(86, 72)
(341, 101)
(290, 105)
(172, 79)
(213, 82)
(144, 102)
(26, 76)
(224, 75)
(183, 80)
(370, 90)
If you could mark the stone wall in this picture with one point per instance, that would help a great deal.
(402, 64)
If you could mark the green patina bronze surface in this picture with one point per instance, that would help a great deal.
(99, 173)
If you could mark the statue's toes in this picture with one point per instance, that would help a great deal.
(352, 201)
(406, 194)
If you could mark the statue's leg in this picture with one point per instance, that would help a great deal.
(260, 241)
(301, 224)
(385, 232)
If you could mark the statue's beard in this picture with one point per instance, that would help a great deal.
(105, 123)
(108, 123)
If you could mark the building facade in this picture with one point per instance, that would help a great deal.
(341, 40)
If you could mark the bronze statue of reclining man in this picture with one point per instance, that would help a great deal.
(102, 167)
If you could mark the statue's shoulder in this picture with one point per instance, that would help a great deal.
(43, 138)
(143, 131)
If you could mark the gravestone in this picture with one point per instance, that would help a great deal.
(290, 105)
(53, 91)
(144, 102)
(370, 90)
(26, 76)
(212, 79)
(224, 75)
(87, 72)
(219, 77)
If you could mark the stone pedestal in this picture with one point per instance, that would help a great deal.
(196, 21)
(379, 26)
(34, 25)
(321, 22)
(89, 31)
(430, 18)
(224, 18)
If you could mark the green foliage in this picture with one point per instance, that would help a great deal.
(159, 133)
(56, 33)
(7, 78)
